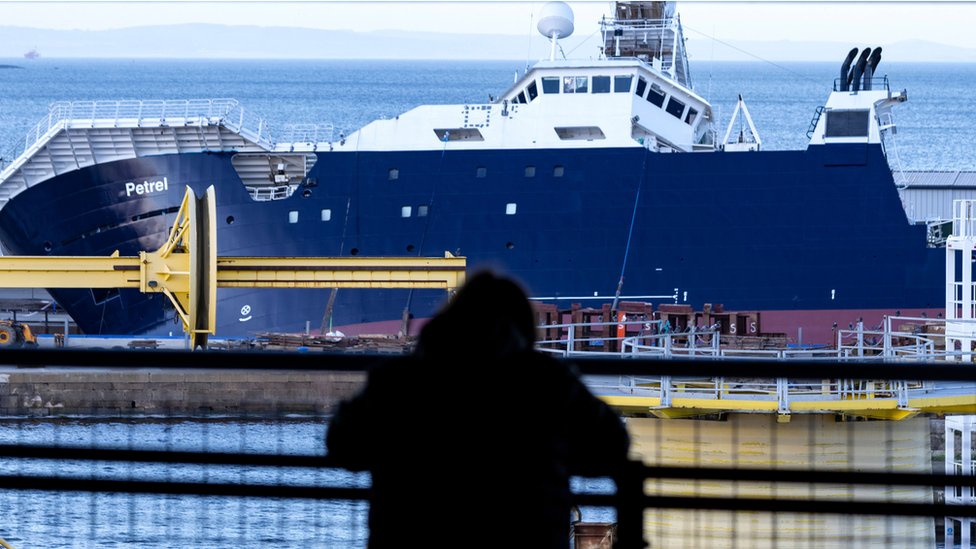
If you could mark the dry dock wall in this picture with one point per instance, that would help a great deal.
(120, 392)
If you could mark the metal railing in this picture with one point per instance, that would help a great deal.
(263, 194)
(877, 83)
(140, 113)
(155, 495)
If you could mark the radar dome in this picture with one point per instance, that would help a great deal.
(556, 18)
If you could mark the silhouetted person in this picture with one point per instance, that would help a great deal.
(473, 438)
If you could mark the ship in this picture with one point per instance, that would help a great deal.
(593, 181)
(32, 54)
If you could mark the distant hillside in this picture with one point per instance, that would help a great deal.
(222, 41)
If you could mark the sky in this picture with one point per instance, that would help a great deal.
(878, 21)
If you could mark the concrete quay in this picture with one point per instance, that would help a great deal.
(114, 392)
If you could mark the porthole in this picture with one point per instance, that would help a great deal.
(530, 171)
(230, 220)
(354, 251)
(306, 193)
(47, 246)
(511, 208)
(326, 215)
(394, 174)
(405, 211)
(510, 245)
(557, 171)
(481, 172)
(410, 248)
(293, 216)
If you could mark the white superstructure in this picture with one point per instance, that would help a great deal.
(637, 95)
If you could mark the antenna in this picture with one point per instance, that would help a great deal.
(555, 22)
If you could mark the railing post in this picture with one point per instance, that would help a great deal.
(571, 339)
(666, 391)
(630, 505)
(783, 395)
(887, 351)
(902, 392)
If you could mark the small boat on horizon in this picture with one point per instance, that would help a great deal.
(32, 54)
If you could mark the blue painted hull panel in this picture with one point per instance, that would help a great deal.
(814, 230)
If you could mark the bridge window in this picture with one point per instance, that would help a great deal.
(575, 84)
(293, 216)
(656, 96)
(326, 215)
(690, 117)
(511, 208)
(641, 87)
(675, 108)
(550, 84)
(521, 97)
(405, 211)
(601, 84)
(532, 90)
(621, 84)
(847, 123)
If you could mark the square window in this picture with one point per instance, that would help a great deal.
(481, 172)
(675, 108)
(530, 171)
(621, 84)
(293, 216)
(326, 215)
(557, 171)
(510, 208)
(394, 174)
(405, 211)
(422, 210)
(656, 96)
(532, 90)
(641, 87)
(550, 84)
(601, 84)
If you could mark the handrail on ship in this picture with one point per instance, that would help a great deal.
(877, 83)
(139, 113)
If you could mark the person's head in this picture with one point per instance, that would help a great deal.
(490, 314)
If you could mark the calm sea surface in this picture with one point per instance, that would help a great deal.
(933, 126)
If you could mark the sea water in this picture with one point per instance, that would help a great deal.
(933, 126)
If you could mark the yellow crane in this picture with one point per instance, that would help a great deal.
(187, 270)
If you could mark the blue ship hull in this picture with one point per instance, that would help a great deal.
(801, 236)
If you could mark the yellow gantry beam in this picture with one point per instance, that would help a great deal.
(187, 270)
(444, 273)
(151, 274)
(876, 408)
